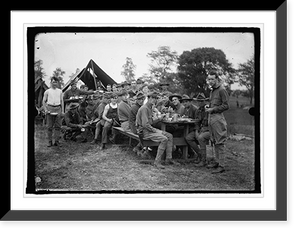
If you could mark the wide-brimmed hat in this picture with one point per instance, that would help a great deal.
(122, 92)
(175, 95)
(107, 94)
(164, 84)
(201, 97)
(140, 81)
(186, 97)
(73, 106)
(125, 83)
(153, 94)
(139, 96)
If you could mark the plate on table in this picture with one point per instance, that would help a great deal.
(184, 119)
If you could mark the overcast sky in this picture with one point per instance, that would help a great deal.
(70, 51)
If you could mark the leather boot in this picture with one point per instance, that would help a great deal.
(159, 154)
(49, 144)
(220, 155)
(159, 165)
(57, 143)
(215, 162)
(202, 161)
(102, 146)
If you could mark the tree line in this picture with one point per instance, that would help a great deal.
(185, 73)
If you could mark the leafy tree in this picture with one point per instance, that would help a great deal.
(128, 70)
(59, 74)
(38, 69)
(246, 76)
(194, 66)
(162, 62)
(147, 79)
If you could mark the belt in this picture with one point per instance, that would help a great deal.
(53, 105)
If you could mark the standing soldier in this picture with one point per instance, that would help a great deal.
(216, 120)
(73, 93)
(54, 107)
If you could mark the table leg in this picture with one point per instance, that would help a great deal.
(185, 148)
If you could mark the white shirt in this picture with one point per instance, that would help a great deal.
(53, 96)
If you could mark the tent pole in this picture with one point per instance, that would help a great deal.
(94, 76)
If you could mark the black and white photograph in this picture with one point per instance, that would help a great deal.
(144, 110)
(148, 116)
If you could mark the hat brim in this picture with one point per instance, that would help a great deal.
(186, 99)
(75, 105)
(201, 99)
(179, 97)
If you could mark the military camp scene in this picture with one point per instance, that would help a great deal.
(145, 112)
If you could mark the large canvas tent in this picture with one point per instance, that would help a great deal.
(92, 75)
(40, 88)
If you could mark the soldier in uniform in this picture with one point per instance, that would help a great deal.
(110, 115)
(218, 103)
(144, 126)
(202, 135)
(178, 107)
(124, 110)
(71, 94)
(54, 107)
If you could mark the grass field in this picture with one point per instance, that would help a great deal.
(239, 121)
(84, 167)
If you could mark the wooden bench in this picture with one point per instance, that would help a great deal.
(131, 135)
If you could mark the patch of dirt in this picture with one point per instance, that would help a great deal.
(84, 167)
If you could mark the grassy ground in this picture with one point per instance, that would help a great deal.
(84, 167)
(238, 119)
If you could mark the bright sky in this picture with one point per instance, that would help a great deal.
(70, 51)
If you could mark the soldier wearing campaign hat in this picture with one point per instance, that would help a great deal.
(73, 121)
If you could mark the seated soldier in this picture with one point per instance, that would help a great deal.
(124, 110)
(73, 120)
(132, 116)
(201, 135)
(99, 112)
(144, 127)
(110, 115)
(190, 111)
(178, 107)
(90, 108)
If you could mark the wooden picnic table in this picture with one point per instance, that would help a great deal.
(180, 141)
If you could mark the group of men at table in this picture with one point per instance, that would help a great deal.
(137, 109)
